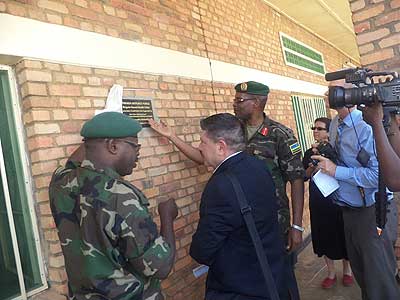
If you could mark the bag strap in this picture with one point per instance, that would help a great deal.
(245, 209)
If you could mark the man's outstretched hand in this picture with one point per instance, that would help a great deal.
(161, 128)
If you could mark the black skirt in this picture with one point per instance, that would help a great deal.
(327, 231)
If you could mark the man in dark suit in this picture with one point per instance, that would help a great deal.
(222, 240)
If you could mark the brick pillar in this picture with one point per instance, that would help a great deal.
(377, 27)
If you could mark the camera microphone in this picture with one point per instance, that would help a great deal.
(341, 74)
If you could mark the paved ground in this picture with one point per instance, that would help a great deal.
(311, 270)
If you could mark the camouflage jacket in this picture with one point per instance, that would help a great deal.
(110, 243)
(276, 144)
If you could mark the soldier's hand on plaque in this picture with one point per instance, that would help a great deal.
(161, 128)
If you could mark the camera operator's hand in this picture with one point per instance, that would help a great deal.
(325, 165)
(373, 114)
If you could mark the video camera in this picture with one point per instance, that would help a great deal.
(366, 91)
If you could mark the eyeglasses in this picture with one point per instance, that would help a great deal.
(241, 100)
(318, 128)
(134, 145)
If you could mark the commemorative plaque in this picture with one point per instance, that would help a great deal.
(139, 108)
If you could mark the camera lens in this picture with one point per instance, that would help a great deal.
(340, 97)
(336, 96)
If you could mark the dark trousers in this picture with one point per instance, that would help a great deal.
(371, 256)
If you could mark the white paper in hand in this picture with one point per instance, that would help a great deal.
(325, 183)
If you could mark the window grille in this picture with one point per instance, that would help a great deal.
(306, 110)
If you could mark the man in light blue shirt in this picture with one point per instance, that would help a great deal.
(371, 255)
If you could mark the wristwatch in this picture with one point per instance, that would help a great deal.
(297, 227)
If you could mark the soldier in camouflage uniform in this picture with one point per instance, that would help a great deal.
(276, 145)
(111, 245)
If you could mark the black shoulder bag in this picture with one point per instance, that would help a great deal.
(245, 209)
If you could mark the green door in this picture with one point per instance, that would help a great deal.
(19, 255)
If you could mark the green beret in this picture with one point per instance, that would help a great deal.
(253, 88)
(111, 125)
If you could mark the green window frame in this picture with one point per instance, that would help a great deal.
(306, 110)
(301, 56)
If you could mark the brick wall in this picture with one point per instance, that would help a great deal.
(377, 26)
(240, 32)
(58, 98)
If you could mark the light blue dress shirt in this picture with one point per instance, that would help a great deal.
(349, 172)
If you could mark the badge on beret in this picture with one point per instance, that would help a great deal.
(295, 148)
(264, 131)
(243, 87)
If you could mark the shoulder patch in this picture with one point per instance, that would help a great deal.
(295, 148)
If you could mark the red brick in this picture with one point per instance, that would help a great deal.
(96, 6)
(56, 261)
(82, 114)
(53, 5)
(55, 248)
(60, 114)
(33, 89)
(68, 139)
(16, 10)
(182, 263)
(179, 223)
(68, 21)
(42, 128)
(47, 154)
(47, 222)
(35, 75)
(368, 13)
(65, 90)
(51, 235)
(40, 142)
(366, 48)
(83, 13)
(42, 195)
(45, 209)
(95, 92)
(57, 275)
(377, 56)
(67, 102)
(130, 7)
(55, 19)
(71, 126)
(361, 27)
(44, 167)
(392, 40)
(395, 4)
(391, 17)
(77, 69)
(372, 36)
(36, 115)
(81, 3)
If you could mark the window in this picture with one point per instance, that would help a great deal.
(21, 266)
(301, 56)
(306, 110)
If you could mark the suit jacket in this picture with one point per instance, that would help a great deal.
(222, 240)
